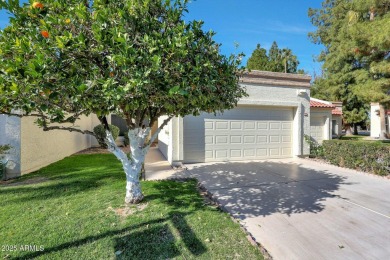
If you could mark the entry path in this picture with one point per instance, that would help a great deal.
(301, 209)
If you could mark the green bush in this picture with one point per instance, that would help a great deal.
(126, 142)
(316, 150)
(360, 155)
(100, 133)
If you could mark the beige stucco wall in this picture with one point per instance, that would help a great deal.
(40, 148)
(326, 115)
(375, 121)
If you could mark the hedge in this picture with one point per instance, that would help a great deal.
(360, 155)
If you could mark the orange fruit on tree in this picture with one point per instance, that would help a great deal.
(37, 5)
(45, 34)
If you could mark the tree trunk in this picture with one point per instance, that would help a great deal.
(132, 167)
(355, 129)
(382, 116)
(348, 130)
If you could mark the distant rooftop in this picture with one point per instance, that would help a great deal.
(321, 103)
(276, 78)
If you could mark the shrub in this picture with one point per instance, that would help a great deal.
(126, 142)
(316, 150)
(100, 133)
(360, 155)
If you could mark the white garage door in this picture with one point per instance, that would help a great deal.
(244, 133)
(317, 125)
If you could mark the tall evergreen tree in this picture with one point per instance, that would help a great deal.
(259, 59)
(277, 60)
(356, 59)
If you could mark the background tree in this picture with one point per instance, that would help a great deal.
(356, 59)
(259, 59)
(63, 59)
(277, 60)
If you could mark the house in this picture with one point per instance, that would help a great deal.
(270, 123)
(375, 122)
(325, 119)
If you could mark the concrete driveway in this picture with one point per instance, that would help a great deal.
(300, 209)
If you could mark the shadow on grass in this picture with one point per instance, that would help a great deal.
(89, 239)
(156, 237)
(158, 242)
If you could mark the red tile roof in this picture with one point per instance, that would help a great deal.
(315, 103)
(337, 112)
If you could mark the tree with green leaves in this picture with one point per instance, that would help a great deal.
(356, 59)
(61, 59)
(277, 60)
(259, 59)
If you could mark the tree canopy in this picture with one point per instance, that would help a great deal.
(356, 58)
(277, 60)
(139, 59)
(61, 59)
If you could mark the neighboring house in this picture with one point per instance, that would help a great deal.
(270, 123)
(325, 119)
(33, 148)
(375, 121)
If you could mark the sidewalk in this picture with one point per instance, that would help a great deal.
(156, 166)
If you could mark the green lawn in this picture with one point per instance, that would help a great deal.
(361, 138)
(72, 211)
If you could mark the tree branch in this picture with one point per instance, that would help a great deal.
(154, 136)
(70, 129)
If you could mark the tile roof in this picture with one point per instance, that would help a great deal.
(317, 103)
(337, 112)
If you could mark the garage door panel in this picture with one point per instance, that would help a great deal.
(209, 154)
(221, 154)
(274, 139)
(286, 126)
(249, 125)
(249, 139)
(239, 134)
(209, 125)
(249, 153)
(262, 139)
(286, 139)
(261, 152)
(236, 139)
(262, 125)
(221, 139)
(235, 153)
(209, 139)
(286, 151)
(275, 126)
(236, 125)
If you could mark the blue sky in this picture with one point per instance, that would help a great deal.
(248, 22)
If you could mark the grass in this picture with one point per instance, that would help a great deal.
(71, 207)
(361, 138)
